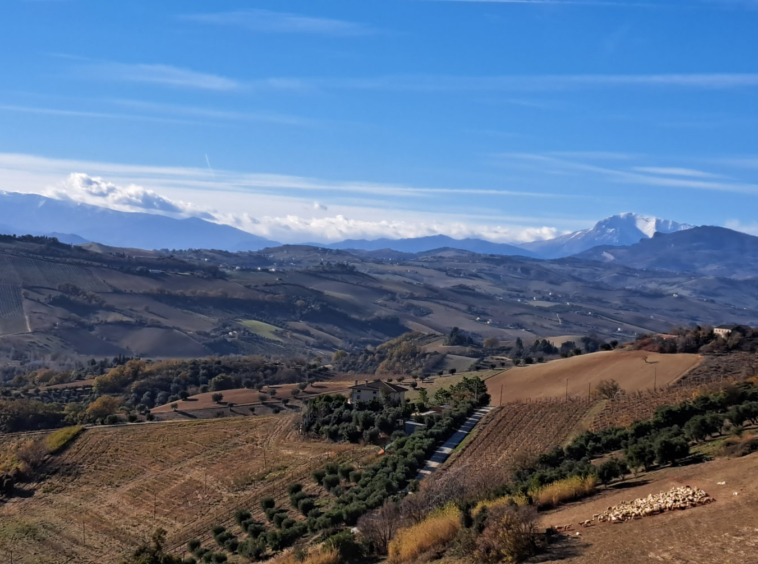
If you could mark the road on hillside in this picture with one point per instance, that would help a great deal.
(443, 452)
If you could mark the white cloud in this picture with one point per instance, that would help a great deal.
(157, 74)
(263, 203)
(338, 228)
(81, 187)
(749, 228)
(268, 21)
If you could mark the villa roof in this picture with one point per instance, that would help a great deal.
(379, 385)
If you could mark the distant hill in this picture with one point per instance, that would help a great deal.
(38, 215)
(424, 244)
(710, 251)
(624, 229)
(68, 238)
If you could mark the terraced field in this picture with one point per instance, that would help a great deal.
(114, 486)
(47, 274)
(518, 430)
(12, 317)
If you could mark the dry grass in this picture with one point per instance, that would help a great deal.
(60, 439)
(315, 556)
(562, 491)
(518, 500)
(434, 532)
(738, 446)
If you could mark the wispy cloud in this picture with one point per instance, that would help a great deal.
(675, 171)
(664, 177)
(90, 114)
(515, 83)
(165, 75)
(267, 21)
(214, 114)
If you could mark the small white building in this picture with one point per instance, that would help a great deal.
(724, 330)
(377, 390)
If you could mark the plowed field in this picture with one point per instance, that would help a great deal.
(634, 370)
(114, 486)
(516, 429)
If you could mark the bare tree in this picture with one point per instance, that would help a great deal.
(608, 389)
(380, 526)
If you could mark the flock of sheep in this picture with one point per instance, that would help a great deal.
(672, 500)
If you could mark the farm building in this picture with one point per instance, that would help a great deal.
(377, 390)
(724, 330)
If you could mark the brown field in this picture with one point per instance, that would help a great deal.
(723, 532)
(634, 370)
(116, 485)
(521, 429)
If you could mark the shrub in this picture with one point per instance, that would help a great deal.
(331, 468)
(318, 476)
(436, 531)
(268, 503)
(330, 481)
(217, 397)
(241, 515)
(193, 545)
(559, 492)
(306, 505)
(344, 471)
(509, 535)
(60, 439)
(345, 545)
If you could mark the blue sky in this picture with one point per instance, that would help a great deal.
(323, 120)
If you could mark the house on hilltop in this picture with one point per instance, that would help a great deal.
(377, 390)
(726, 330)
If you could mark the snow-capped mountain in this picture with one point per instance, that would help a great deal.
(618, 230)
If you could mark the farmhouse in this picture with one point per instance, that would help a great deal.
(377, 389)
(724, 330)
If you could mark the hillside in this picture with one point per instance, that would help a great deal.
(57, 300)
(633, 370)
(114, 486)
(707, 251)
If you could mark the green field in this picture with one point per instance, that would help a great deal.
(262, 329)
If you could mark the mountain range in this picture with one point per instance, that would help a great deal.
(76, 223)
(709, 251)
(624, 229)
(423, 244)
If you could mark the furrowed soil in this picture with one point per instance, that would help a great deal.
(633, 370)
(114, 486)
(520, 430)
(723, 532)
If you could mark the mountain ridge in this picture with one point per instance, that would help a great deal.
(78, 221)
